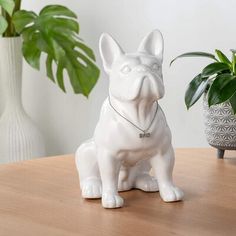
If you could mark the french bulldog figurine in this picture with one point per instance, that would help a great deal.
(132, 135)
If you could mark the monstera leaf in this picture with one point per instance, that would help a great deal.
(54, 31)
(3, 24)
(7, 8)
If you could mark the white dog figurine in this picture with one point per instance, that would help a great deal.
(132, 135)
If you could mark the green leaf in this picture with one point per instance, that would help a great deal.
(28, 33)
(55, 32)
(65, 36)
(87, 73)
(233, 60)
(195, 90)
(233, 50)
(8, 6)
(222, 57)
(86, 49)
(49, 62)
(23, 18)
(31, 53)
(44, 43)
(3, 24)
(75, 78)
(59, 75)
(83, 76)
(222, 89)
(214, 68)
(57, 10)
(232, 101)
(61, 24)
(59, 52)
(195, 54)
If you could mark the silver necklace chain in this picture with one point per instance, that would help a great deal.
(145, 134)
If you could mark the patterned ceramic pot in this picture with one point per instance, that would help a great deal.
(220, 126)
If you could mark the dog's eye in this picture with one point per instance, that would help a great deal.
(155, 67)
(125, 69)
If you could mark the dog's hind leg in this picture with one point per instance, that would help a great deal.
(87, 166)
(138, 177)
(142, 178)
(125, 182)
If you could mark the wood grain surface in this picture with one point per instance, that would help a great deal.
(42, 198)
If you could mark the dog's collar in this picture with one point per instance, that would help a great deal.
(145, 133)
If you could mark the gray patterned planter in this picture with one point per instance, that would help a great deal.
(220, 127)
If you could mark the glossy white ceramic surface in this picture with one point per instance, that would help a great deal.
(119, 156)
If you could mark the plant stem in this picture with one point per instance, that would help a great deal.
(10, 31)
(233, 63)
(17, 5)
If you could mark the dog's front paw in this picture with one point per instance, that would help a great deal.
(112, 200)
(171, 193)
(92, 188)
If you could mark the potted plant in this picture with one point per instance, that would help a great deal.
(217, 83)
(53, 32)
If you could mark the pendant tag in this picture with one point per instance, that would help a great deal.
(144, 135)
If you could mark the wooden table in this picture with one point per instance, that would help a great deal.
(42, 198)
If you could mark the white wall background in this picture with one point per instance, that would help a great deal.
(187, 25)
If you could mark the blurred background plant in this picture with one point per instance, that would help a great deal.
(217, 80)
(54, 31)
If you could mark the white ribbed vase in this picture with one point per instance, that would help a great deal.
(19, 137)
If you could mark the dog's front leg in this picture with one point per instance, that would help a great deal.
(109, 168)
(162, 165)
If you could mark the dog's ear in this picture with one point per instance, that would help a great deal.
(153, 44)
(109, 51)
